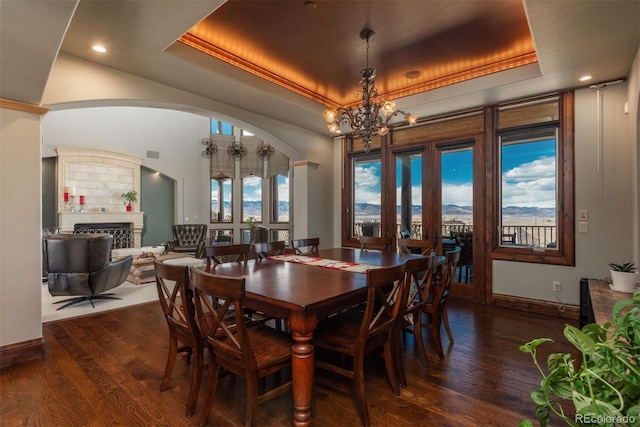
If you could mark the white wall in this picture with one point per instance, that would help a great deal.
(20, 227)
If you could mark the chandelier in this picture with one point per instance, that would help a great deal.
(372, 117)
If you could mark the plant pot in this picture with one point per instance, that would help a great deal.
(624, 281)
(129, 208)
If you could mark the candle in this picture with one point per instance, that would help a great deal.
(66, 196)
(81, 199)
(72, 191)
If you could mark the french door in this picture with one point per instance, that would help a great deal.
(439, 199)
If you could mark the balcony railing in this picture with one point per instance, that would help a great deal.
(542, 236)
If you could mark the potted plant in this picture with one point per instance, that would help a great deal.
(130, 197)
(603, 389)
(624, 277)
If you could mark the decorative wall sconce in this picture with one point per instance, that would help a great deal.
(237, 150)
(211, 148)
(264, 150)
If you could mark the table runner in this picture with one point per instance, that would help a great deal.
(323, 262)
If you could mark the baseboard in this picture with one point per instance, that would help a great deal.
(15, 354)
(546, 308)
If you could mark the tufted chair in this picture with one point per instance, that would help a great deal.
(79, 265)
(188, 238)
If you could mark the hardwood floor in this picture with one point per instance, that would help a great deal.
(105, 370)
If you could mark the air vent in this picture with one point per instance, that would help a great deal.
(153, 154)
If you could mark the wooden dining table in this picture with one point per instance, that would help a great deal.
(303, 294)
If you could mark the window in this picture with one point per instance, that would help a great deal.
(529, 188)
(367, 196)
(534, 198)
(221, 196)
(409, 194)
(280, 198)
(252, 198)
(221, 128)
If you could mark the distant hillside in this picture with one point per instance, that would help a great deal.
(254, 208)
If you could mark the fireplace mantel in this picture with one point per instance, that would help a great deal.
(66, 221)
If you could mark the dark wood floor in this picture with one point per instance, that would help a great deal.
(105, 370)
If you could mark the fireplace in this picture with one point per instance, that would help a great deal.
(99, 222)
(122, 232)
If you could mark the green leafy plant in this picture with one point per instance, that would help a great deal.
(252, 222)
(604, 388)
(627, 267)
(130, 196)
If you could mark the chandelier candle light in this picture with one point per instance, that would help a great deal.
(372, 117)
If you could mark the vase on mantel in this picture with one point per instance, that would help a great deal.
(129, 208)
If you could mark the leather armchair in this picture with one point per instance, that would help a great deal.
(80, 265)
(188, 238)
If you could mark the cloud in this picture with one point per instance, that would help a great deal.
(531, 184)
(457, 194)
(416, 195)
(367, 176)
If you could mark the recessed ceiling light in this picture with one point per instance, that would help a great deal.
(585, 78)
(413, 74)
(99, 48)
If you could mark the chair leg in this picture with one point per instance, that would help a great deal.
(391, 366)
(252, 403)
(399, 362)
(171, 359)
(445, 320)
(211, 392)
(361, 400)
(196, 378)
(417, 337)
(435, 332)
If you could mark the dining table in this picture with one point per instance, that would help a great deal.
(303, 290)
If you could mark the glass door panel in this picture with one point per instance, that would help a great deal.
(456, 181)
(409, 195)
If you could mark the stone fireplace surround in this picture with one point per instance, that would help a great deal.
(101, 176)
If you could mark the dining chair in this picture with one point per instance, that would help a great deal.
(306, 246)
(418, 275)
(436, 305)
(219, 254)
(413, 246)
(465, 241)
(358, 332)
(250, 352)
(266, 249)
(176, 300)
(382, 244)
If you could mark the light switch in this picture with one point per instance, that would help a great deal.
(583, 215)
(583, 227)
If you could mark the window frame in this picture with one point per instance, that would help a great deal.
(564, 252)
(211, 221)
(274, 201)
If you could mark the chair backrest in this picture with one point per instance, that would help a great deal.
(382, 244)
(418, 277)
(508, 238)
(309, 245)
(219, 313)
(404, 234)
(219, 254)
(412, 246)
(265, 249)
(189, 234)
(439, 290)
(176, 297)
(381, 309)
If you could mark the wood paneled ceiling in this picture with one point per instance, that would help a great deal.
(314, 48)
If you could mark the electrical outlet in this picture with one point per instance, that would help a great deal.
(556, 286)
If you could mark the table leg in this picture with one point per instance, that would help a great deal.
(302, 366)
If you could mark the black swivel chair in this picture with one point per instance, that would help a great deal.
(79, 265)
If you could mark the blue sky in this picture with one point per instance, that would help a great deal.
(528, 172)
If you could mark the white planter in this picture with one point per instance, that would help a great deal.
(624, 281)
